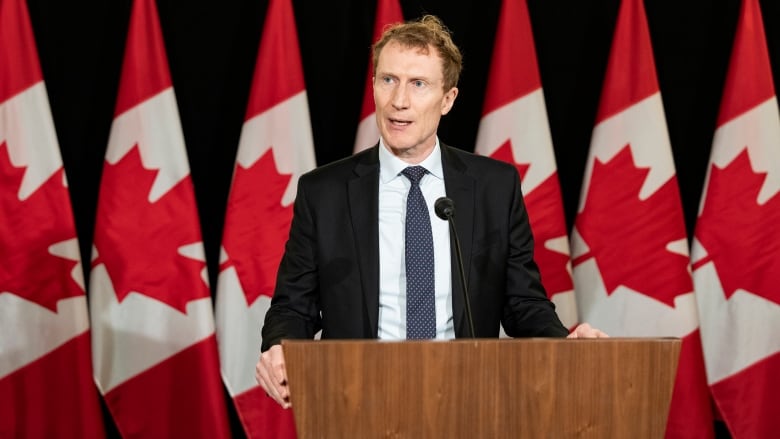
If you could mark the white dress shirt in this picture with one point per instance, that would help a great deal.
(393, 191)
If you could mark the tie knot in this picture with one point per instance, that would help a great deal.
(414, 173)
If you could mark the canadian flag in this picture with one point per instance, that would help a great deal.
(736, 250)
(154, 346)
(275, 148)
(629, 245)
(514, 129)
(46, 387)
(387, 12)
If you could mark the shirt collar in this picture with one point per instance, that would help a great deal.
(391, 166)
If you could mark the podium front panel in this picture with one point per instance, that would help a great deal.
(484, 388)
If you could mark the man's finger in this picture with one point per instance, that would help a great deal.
(272, 376)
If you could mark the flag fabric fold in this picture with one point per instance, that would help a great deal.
(514, 129)
(387, 12)
(736, 250)
(154, 344)
(275, 147)
(629, 244)
(46, 385)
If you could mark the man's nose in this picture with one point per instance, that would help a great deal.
(400, 97)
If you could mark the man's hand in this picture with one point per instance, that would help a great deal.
(586, 331)
(271, 374)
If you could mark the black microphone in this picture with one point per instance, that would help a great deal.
(445, 209)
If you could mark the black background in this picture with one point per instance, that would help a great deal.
(212, 48)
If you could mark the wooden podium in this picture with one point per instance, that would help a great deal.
(483, 388)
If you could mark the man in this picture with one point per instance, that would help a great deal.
(362, 263)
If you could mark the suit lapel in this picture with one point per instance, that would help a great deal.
(460, 188)
(364, 210)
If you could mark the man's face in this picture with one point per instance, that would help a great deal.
(410, 100)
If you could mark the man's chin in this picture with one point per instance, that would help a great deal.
(398, 147)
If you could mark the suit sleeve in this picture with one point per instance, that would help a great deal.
(527, 310)
(294, 311)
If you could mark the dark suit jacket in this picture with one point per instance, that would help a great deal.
(329, 275)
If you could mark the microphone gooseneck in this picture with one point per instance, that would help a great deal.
(445, 209)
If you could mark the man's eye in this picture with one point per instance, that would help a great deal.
(387, 79)
(418, 84)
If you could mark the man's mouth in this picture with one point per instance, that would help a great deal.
(399, 122)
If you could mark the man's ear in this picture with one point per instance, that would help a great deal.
(449, 100)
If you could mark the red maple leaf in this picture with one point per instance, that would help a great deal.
(545, 213)
(628, 236)
(27, 229)
(257, 225)
(139, 241)
(740, 235)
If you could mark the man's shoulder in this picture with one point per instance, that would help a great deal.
(478, 165)
(342, 168)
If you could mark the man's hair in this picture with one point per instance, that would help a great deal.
(421, 34)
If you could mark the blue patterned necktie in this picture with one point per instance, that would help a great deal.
(420, 304)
